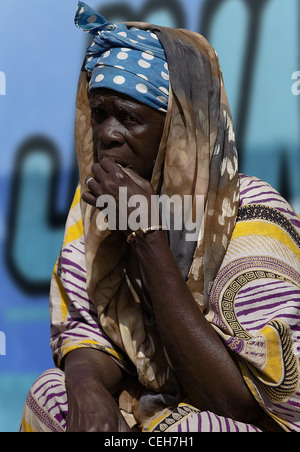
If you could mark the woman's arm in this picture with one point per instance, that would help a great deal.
(201, 361)
(92, 378)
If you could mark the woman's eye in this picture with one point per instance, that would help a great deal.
(98, 112)
(130, 118)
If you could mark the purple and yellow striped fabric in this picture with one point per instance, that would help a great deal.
(255, 299)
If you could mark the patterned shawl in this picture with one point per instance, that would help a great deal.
(197, 156)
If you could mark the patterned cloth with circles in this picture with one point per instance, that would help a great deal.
(126, 60)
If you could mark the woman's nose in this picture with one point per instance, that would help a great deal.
(111, 132)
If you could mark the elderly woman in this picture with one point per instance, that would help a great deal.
(151, 331)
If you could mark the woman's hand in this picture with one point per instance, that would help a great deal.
(135, 204)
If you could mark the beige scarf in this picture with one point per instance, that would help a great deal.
(197, 156)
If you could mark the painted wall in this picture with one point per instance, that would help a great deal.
(41, 52)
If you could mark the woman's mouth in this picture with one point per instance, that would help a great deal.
(117, 160)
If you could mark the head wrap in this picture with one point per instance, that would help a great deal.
(126, 60)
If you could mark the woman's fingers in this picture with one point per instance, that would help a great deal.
(99, 172)
(94, 187)
(108, 177)
(89, 198)
(111, 167)
(138, 180)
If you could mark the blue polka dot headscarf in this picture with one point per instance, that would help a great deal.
(130, 61)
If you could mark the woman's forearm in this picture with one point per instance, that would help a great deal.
(91, 380)
(201, 361)
(84, 363)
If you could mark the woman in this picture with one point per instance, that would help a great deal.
(150, 331)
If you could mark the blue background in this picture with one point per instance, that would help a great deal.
(41, 53)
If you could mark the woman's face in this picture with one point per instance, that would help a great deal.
(125, 130)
